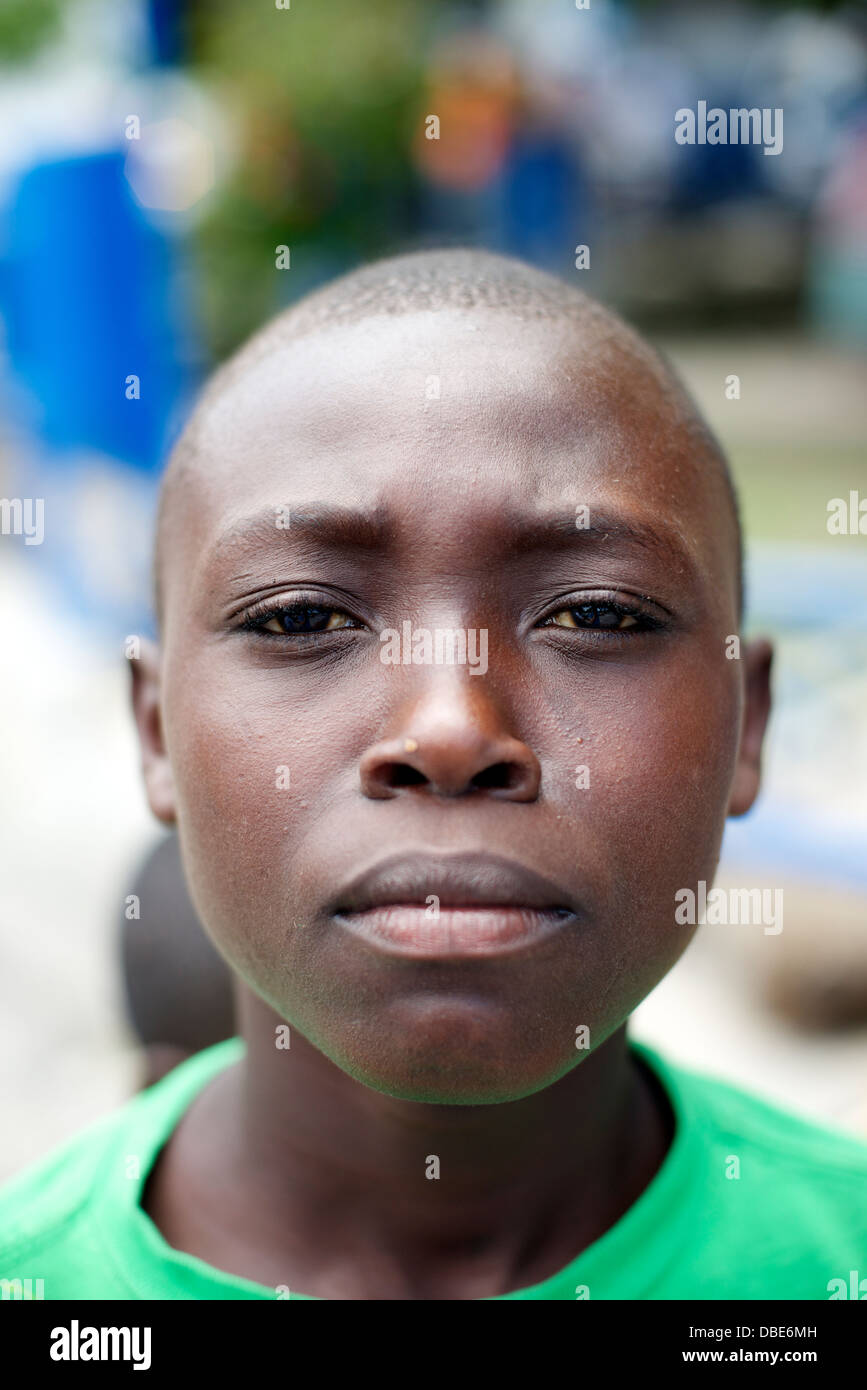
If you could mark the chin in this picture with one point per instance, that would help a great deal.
(454, 1052)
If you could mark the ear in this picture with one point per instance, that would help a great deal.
(158, 780)
(757, 657)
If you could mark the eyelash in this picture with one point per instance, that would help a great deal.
(257, 617)
(264, 612)
(642, 620)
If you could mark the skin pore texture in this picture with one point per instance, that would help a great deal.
(306, 1166)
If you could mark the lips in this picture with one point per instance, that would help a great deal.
(436, 905)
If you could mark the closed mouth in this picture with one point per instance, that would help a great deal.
(439, 905)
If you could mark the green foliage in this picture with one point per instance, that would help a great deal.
(25, 25)
(325, 98)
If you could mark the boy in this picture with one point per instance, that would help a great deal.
(444, 883)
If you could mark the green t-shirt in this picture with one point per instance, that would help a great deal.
(749, 1203)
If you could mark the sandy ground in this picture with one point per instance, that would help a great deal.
(74, 824)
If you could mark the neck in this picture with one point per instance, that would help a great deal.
(522, 1187)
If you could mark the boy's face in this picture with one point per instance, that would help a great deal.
(467, 449)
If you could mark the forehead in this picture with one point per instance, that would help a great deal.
(452, 418)
(383, 396)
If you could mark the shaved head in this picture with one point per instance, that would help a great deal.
(427, 283)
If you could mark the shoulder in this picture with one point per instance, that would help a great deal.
(56, 1216)
(48, 1194)
(750, 1152)
(734, 1114)
(47, 1214)
(769, 1204)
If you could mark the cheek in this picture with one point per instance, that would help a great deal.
(676, 751)
(664, 761)
(248, 773)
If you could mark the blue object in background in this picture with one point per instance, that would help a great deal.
(87, 300)
(166, 22)
(544, 198)
(90, 295)
(709, 174)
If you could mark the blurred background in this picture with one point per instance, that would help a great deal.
(154, 156)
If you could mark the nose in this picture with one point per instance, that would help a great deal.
(452, 743)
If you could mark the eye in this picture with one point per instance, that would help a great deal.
(298, 619)
(611, 617)
(307, 619)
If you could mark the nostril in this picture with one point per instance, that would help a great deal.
(403, 775)
(499, 777)
(450, 766)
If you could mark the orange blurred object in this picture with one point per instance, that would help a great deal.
(472, 97)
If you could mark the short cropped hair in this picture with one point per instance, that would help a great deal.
(429, 281)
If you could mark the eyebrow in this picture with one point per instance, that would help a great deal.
(558, 529)
(607, 533)
(339, 528)
(336, 527)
